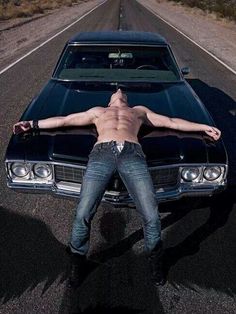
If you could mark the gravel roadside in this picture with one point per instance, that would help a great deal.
(18, 36)
(218, 36)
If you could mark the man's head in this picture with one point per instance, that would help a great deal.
(118, 98)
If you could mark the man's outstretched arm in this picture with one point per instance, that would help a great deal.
(75, 119)
(180, 124)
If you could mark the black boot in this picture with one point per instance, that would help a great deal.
(155, 259)
(78, 269)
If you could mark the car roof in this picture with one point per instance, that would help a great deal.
(118, 37)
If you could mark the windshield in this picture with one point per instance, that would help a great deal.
(119, 64)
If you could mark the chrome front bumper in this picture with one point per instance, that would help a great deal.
(72, 190)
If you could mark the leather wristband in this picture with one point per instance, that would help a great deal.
(35, 124)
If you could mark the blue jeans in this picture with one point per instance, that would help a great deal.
(130, 163)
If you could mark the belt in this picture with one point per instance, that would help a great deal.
(116, 143)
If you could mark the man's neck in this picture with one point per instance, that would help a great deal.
(118, 103)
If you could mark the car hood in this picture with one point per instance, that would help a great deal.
(161, 146)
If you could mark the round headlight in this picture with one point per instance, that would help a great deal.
(20, 169)
(42, 170)
(190, 174)
(212, 173)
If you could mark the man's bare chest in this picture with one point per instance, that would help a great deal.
(120, 115)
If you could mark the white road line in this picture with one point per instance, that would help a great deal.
(186, 36)
(51, 38)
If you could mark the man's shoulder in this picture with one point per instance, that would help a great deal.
(141, 108)
(97, 109)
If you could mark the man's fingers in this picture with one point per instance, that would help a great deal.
(20, 127)
(214, 133)
(218, 132)
(17, 129)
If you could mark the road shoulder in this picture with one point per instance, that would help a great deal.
(17, 37)
(218, 36)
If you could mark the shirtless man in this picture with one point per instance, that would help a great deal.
(117, 148)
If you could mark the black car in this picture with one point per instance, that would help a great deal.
(91, 67)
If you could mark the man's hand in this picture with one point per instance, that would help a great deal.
(213, 132)
(22, 126)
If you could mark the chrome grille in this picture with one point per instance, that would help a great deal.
(165, 177)
(162, 177)
(70, 174)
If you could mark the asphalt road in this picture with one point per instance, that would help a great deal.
(199, 236)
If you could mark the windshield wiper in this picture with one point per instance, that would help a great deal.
(91, 76)
(142, 77)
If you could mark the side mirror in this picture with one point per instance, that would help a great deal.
(185, 71)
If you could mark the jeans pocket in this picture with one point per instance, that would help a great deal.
(140, 152)
(94, 151)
